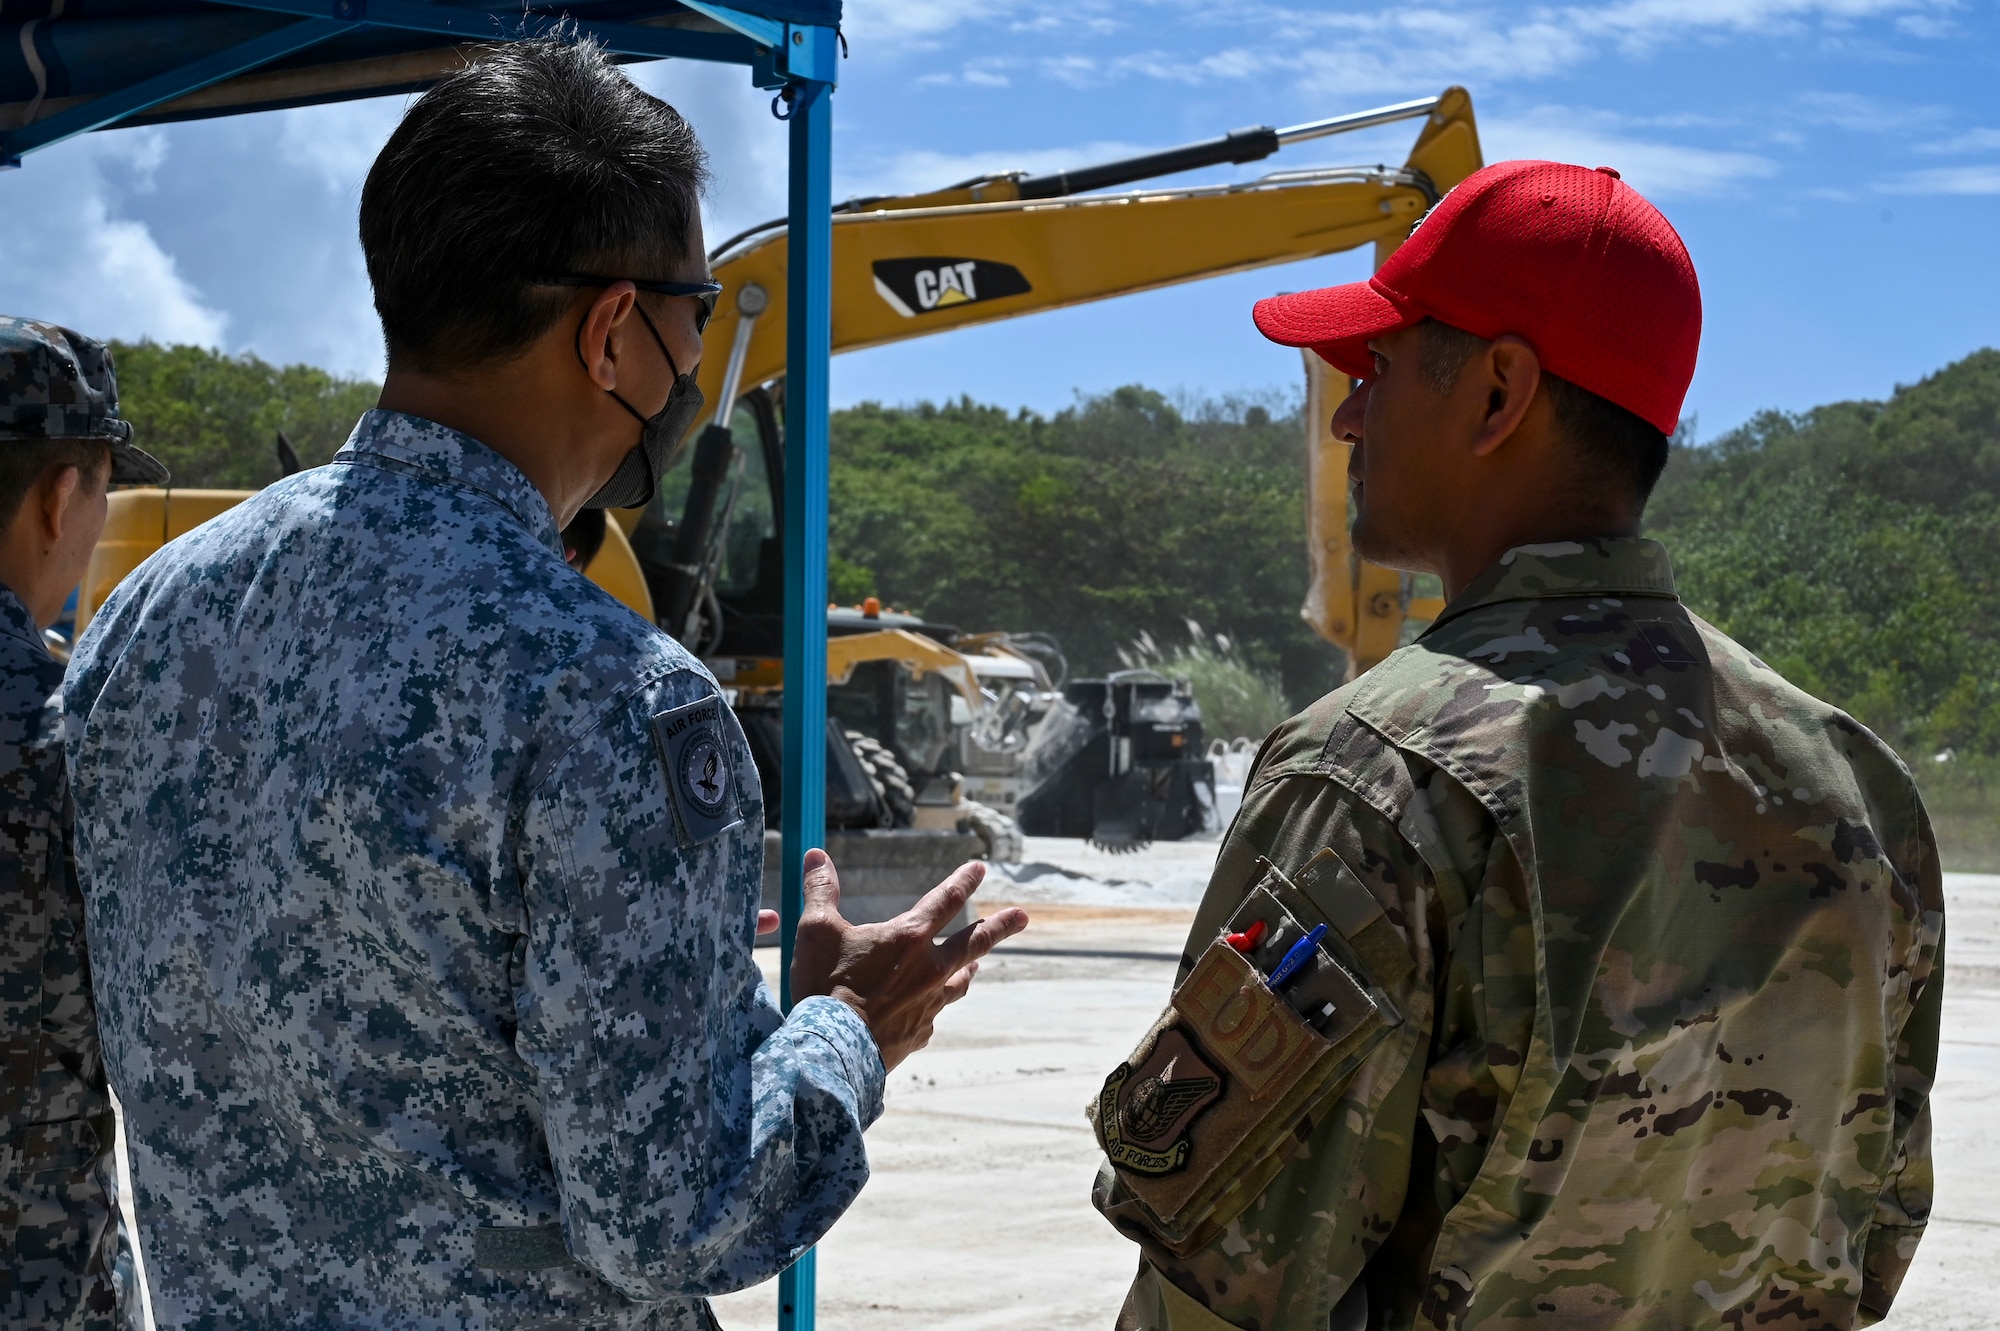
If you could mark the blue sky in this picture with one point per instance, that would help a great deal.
(1834, 166)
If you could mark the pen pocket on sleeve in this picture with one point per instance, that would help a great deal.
(1233, 1076)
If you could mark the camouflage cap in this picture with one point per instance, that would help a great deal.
(59, 384)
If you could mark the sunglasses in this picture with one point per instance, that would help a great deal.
(705, 292)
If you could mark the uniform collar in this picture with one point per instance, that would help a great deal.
(16, 622)
(443, 454)
(1604, 566)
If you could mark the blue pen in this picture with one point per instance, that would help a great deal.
(1296, 956)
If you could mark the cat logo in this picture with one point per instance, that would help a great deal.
(933, 282)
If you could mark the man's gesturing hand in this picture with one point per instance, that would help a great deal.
(893, 973)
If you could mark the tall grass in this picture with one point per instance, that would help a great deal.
(1235, 698)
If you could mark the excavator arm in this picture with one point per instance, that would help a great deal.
(988, 250)
(1002, 246)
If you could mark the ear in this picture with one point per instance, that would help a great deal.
(60, 490)
(1509, 373)
(601, 336)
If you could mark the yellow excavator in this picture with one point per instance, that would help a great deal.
(999, 246)
(1127, 765)
(704, 559)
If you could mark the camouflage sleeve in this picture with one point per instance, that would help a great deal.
(1903, 1208)
(700, 1140)
(1291, 1255)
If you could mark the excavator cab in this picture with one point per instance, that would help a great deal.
(727, 595)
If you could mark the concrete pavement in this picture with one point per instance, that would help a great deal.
(1951, 1285)
(978, 1215)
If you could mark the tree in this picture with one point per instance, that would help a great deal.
(1120, 516)
(1856, 547)
(214, 419)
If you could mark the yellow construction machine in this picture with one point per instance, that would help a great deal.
(1005, 245)
(703, 560)
(997, 247)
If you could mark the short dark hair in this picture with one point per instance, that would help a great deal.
(538, 158)
(1618, 445)
(23, 463)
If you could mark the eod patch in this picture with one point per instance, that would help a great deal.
(923, 283)
(694, 748)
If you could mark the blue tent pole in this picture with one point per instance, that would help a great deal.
(808, 350)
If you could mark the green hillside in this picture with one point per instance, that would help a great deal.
(1855, 546)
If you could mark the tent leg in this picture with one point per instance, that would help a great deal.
(809, 348)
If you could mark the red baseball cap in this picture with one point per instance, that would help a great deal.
(1571, 259)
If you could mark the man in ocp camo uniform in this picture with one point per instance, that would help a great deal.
(61, 443)
(423, 874)
(1664, 933)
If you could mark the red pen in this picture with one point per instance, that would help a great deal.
(1249, 938)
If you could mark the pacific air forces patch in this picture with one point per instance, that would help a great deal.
(1143, 1113)
(694, 749)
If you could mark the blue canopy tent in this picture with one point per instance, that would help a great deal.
(68, 67)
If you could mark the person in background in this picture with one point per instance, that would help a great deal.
(1656, 938)
(424, 873)
(61, 444)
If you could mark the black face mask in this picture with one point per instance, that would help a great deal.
(660, 436)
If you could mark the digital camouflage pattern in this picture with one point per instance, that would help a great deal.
(57, 1238)
(55, 383)
(1679, 940)
(408, 955)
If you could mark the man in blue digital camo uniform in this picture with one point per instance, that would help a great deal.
(61, 443)
(425, 873)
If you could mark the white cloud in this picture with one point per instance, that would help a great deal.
(926, 169)
(82, 262)
(922, 24)
(141, 152)
(338, 143)
(1971, 141)
(1596, 138)
(1078, 71)
(245, 238)
(1647, 23)
(1969, 180)
(1864, 114)
(984, 72)
(1926, 26)
(1390, 48)
(912, 23)
(748, 148)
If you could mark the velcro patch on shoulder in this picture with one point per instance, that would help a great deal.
(694, 747)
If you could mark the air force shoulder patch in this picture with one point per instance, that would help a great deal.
(694, 748)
